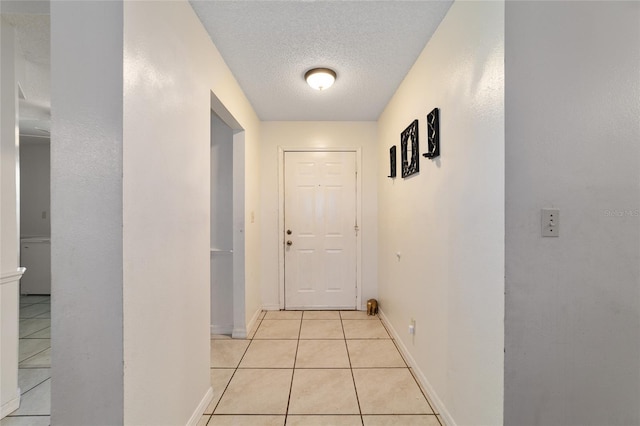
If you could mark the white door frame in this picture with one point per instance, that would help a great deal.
(239, 194)
(281, 152)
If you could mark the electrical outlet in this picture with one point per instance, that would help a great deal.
(412, 326)
(44, 214)
(550, 222)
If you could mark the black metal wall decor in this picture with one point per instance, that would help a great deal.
(433, 134)
(409, 147)
(392, 162)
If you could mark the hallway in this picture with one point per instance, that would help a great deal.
(34, 373)
(314, 368)
(296, 368)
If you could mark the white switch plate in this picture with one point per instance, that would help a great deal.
(550, 222)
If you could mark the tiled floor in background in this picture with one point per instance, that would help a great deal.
(314, 368)
(298, 368)
(34, 374)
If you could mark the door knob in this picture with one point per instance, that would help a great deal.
(288, 231)
(289, 242)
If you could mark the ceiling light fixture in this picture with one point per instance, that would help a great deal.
(320, 78)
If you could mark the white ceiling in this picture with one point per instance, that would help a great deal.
(269, 45)
(33, 37)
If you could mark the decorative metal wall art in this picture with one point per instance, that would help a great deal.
(433, 134)
(409, 147)
(392, 162)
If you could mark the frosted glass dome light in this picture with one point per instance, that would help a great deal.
(320, 78)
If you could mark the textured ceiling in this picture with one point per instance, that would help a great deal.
(33, 37)
(269, 45)
(33, 32)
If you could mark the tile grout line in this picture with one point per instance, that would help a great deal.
(293, 371)
(37, 331)
(234, 373)
(29, 415)
(296, 367)
(38, 306)
(25, 393)
(411, 372)
(28, 336)
(421, 390)
(36, 354)
(424, 395)
(397, 348)
(305, 368)
(351, 370)
(32, 388)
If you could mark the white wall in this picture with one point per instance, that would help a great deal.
(169, 76)
(131, 211)
(573, 132)
(447, 222)
(86, 213)
(9, 145)
(9, 231)
(35, 185)
(299, 134)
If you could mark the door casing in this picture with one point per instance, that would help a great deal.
(281, 230)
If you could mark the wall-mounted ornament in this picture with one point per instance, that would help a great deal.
(409, 148)
(392, 162)
(433, 134)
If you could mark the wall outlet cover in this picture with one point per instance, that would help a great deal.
(550, 222)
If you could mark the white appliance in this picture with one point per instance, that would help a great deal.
(35, 255)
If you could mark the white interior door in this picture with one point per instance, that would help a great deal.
(320, 230)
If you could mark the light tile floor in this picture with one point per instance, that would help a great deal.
(304, 368)
(313, 368)
(34, 368)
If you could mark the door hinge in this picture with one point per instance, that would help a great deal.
(356, 228)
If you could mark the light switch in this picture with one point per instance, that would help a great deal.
(550, 222)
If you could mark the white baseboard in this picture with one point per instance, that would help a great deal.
(12, 276)
(239, 333)
(236, 332)
(10, 406)
(242, 333)
(204, 403)
(221, 329)
(431, 393)
(277, 308)
(271, 307)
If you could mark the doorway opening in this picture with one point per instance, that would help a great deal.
(25, 296)
(227, 216)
